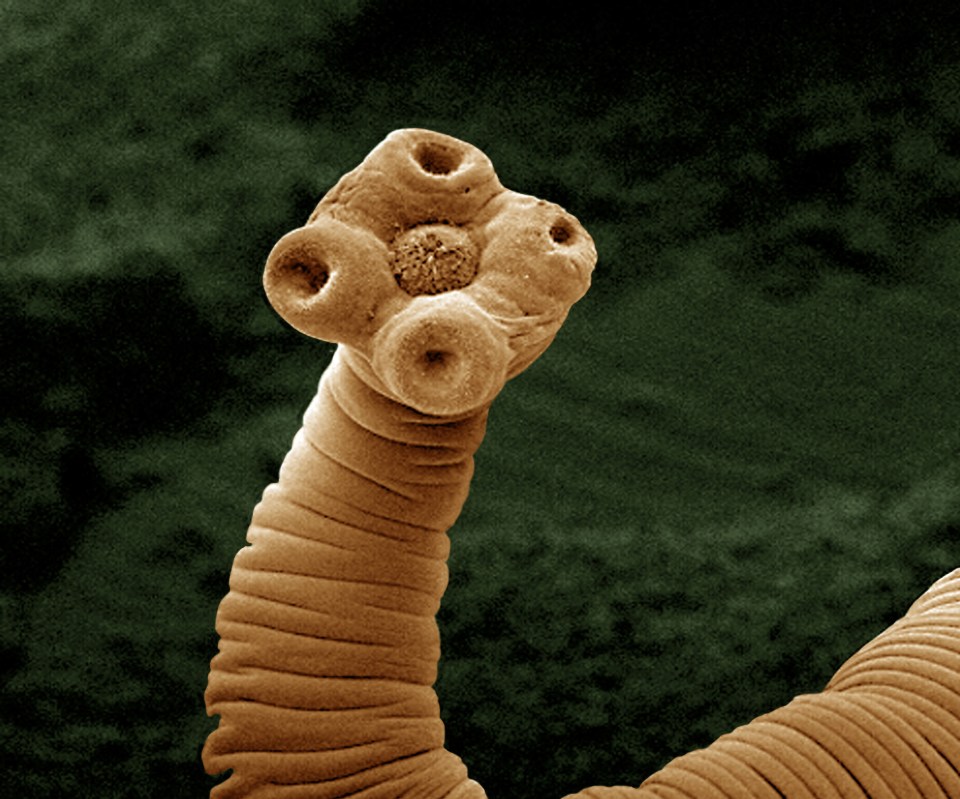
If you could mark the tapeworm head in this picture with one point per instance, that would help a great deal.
(441, 283)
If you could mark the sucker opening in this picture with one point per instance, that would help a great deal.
(435, 361)
(305, 275)
(561, 232)
(437, 159)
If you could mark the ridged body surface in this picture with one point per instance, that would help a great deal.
(887, 726)
(329, 646)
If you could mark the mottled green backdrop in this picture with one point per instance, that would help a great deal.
(739, 461)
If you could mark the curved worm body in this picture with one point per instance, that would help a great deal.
(439, 285)
(329, 647)
(887, 726)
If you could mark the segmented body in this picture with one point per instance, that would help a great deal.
(329, 645)
(887, 726)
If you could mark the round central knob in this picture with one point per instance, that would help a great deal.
(433, 258)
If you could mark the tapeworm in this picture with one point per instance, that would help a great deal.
(439, 285)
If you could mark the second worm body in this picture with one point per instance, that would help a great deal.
(887, 726)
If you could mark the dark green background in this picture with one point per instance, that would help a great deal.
(738, 462)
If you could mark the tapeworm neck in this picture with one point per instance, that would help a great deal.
(329, 645)
(407, 469)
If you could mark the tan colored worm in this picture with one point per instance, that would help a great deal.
(439, 285)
